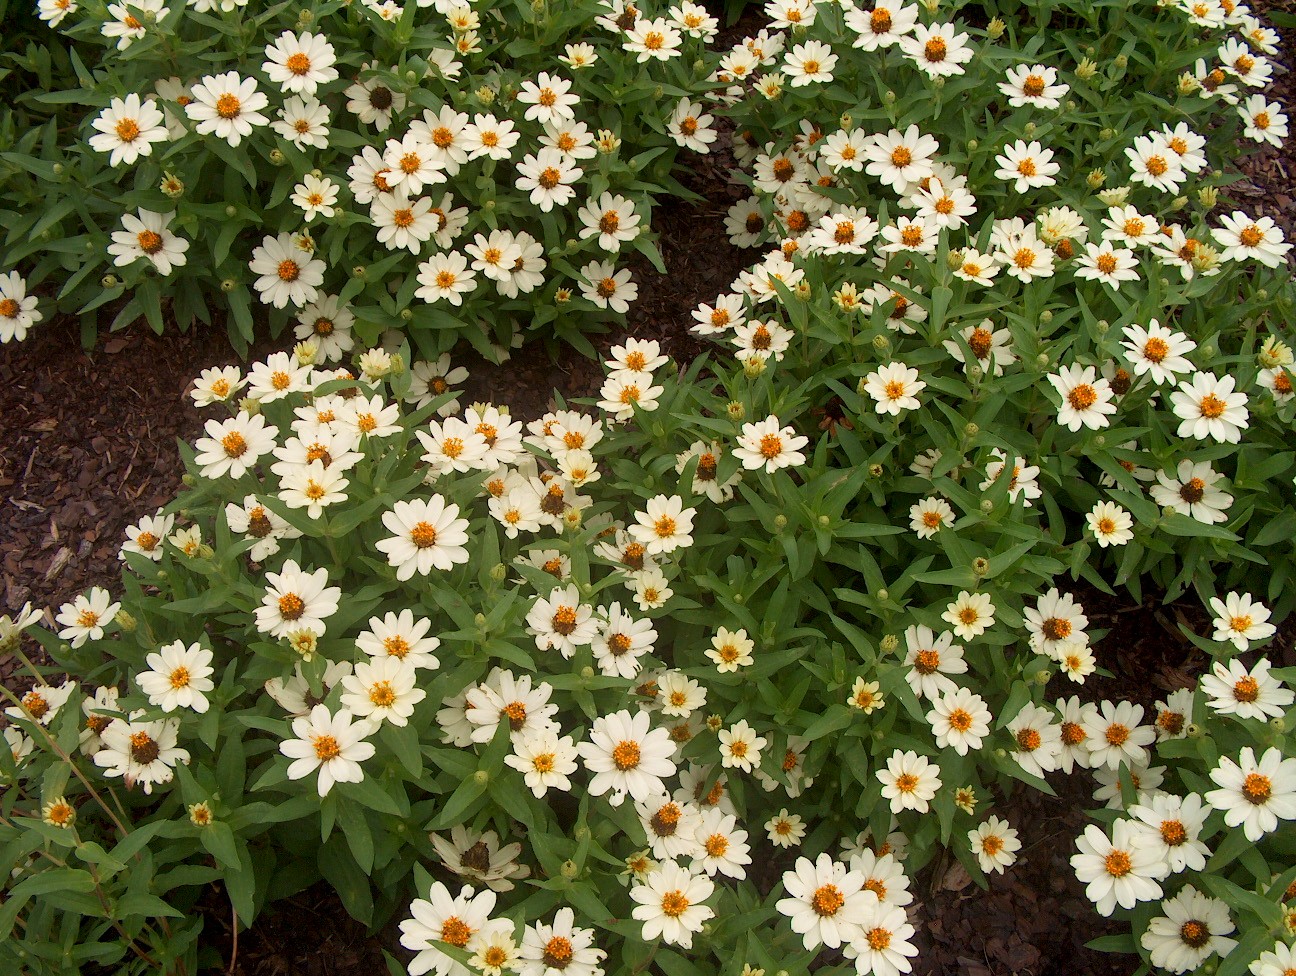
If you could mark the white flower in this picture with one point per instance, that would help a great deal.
(730, 650)
(145, 537)
(1242, 238)
(722, 847)
(1158, 351)
(652, 39)
(1172, 825)
(444, 919)
(1086, 401)
(1115, 870)
(1192, 930)
(429, 534)
(1193, 492)
(284, 273)
(970, 615)
(1035, 86)
(1233, 690)
(995, 845)
(128, 28)
(42, 702)
(1263, 121)
(606, 287)
(882, 24)
(625, 756)
(937, 50)
(769, 446)
(178, 677)
(227, 106)
(127, 129)
(509, 699)
(1154, 164)
(1027, 165)
(1241, 619)
(1056, 619)
(382, 689)
(895, 387)
(669, 903)
(1022, 483)
(315, 197)
(148, 236)
(400, 636)
(1253, 794)
(930, 659)
(305, 123)
(1110, 524)
(665, 526)
(909, 781)
(548, 177)
(549, 99)
(18, 311)
(313, 487)
(740, 747)
(297, 600)
(959, 720)
(545, 759)
(1115, 736)
(809, 63)
(690, 127)
(1278, 961)
(140, 752)
(885, 947)
(561, 621)
(680, 695)
(826, 902)
(1108, 264)
(86, 617)
(559, 948)
(333, 744)
(1209, 407)
(785, 829)
(611, 218)
(1037, 742)
(300, 63)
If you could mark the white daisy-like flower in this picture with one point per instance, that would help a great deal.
(669, 902)
(145, 537)
(560, 947)
(1086, 400)
(300, 63)
(1245, 238)
(148, 236)
(1158, 351)
(881, 24)
(383, 689)
(1233, 690)
(895, 388)
(178, 677)
(959, 720)
(561, 621)
(1110, 524)
(401, 636)
(315, 196)
(1037, 741)
(1027, 165)
(1116, 869)
(607, 287)
(1172, 826)
(610, 218)
(665, 526)
(970, 615)
(826, 902)
(1263, 121)
(313, 487)
(428, 534)
(548, 99)
(1035, 86)
(938, 50)
(285, 274)
(1192, 492)
(1154, 164)
(1193, 928)
(297, 600)
(626, 756)
(1115, 736)
(227, 106)
(1107, 264)
(1210, 407)
(1241, 619)
(1055, 620)
(86, 617)
(441, 918)
(730, 650)
(909, 781)
(995, 845)
(767, 445)
(332, 744)
(41, 702)
(545, 759)
(740, 747)
(139, 751)
(548, 177)
(127, 129)
(1255, 794)
(885, 947)
(304, 122)
(812, 62)
(690, 127)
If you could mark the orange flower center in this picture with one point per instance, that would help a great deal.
(827, 900)
(1257, 788)
(291, 606)
(1118, 864)
(626, 755)
(228, 106)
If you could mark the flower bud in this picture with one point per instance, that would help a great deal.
(754, 367)
(109, 281)
(1042, 360)
(1207, 197)
(172, 186)
(499, 572)
(480, 620)
(1095, 179)
(228, 285)
(736, 411)
(890, 642)
(889, 97)
(304, 19)
(975, 372)
(58, 169)
(981, 567)
(1106, 133)
(1120, 62)
(1042, 676)
(780, 523)
(995, 29)
(845, 123)
(586, 673)
(1188, 84)
(1193, 731)
(987, 506)
(277, 157)
(1103, 326)
(1029, 129)
(1046, 316)
(359, 271)
(411, 77)
(1115, 196)
(1086, 69)
(188, 481)
(1071, 105)
(884, 594)
(973, 145)
(1277, 723)
(876, 470)
(125, 621)
(938, 82)
(481, 777)
(200, 814)
(882, 344)
(562, 296)
(824, 522)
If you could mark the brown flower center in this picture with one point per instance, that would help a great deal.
(228, 106)
(291, 606)
(143, 749)
(1257, 788)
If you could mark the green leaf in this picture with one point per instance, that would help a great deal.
(351, 884)
(355, 827)
(218, 840)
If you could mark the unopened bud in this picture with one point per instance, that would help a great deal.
(995, 29)
(1277, 723)
(987, 506)
(754, 366)
(973, 145)
(735, 410)
(1192, 730)
(359, 271)
(125, 621)
(824, 521)
(1188, 84)
(876, 470)
(1103, 326)
(1042, 359)
(1096, 178)
(780, 522)
(228, 285)
(481, 777)
(1042, 676)
(250, 406)
(889, 97)
(980, 567)
(1086, 69)
(1106, 133)
(882, 344)
(109, 281)
(277, 157)
(890, 642)
(845, 123)
(1046, 316)
(1120, 62)
(172, 186)
(587, 672)
(1207, 197)
(304, 19)
(1029, 129)
(884, 594)
(58, 169)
